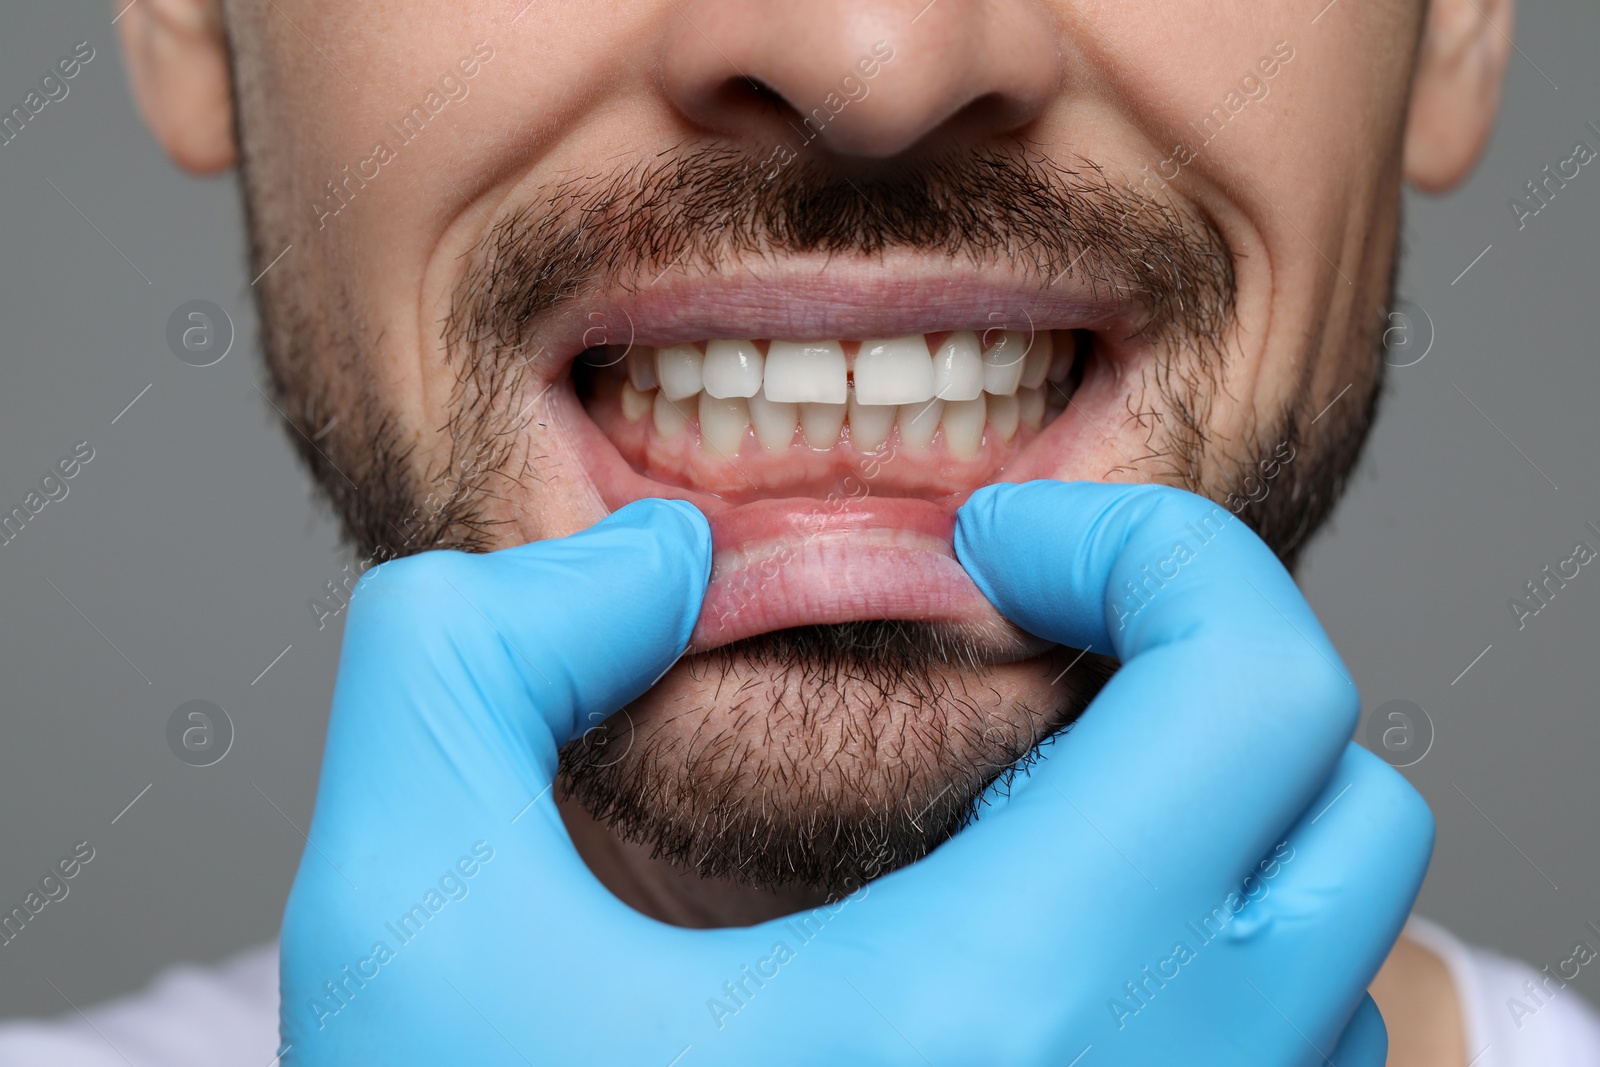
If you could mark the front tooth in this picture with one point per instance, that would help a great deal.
(642, 368)
(821, 423)
(963, 426)
(636, 403)
(895, 370)
(1003, 414)
(1002, 363)
(723, 423)
(869, 424)
(1036, 364)
(918, 422)
(678, 370)
(805, 372)
(732, 368)
(670, 417)
(1030, 407)
(958, 367)
(774, 421)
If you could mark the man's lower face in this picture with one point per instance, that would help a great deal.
(829, 384)
(849, 691)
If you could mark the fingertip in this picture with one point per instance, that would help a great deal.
(658, 511)
(976, 522)
(677, 519)
(981, 507)
(990, 510)
(694, 529)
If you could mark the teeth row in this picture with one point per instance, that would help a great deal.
(886, 371)
(725, 420)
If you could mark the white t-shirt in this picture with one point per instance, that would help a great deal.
(227, 1016)
(1514, 1016)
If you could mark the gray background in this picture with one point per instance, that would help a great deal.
(190, 545)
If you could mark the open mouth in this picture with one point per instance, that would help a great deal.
(752, 419)
(831, 467)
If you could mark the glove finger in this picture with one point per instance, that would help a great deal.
(462, 675)
(569, 629)
(1366, 1040)
(596, 618)
(1230, 706)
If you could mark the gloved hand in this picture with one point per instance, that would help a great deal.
(1229, 718)
(441, 915)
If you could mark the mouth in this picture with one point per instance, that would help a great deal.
(831, 442)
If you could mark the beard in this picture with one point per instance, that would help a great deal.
(820, 756)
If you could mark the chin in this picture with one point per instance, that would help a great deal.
(821, 756)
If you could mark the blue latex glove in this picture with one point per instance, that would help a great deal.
(1230, 715)
(441, 915)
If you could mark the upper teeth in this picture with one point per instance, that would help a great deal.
(813, 386)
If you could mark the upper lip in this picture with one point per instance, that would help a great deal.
(814, 296)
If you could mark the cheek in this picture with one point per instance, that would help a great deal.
(562, 497)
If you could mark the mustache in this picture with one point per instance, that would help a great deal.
(704, 208)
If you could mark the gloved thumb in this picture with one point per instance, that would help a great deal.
(569, 629)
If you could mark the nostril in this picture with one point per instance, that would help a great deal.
(763, 91)
(751, 97)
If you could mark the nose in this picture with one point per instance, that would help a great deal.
(866, 78)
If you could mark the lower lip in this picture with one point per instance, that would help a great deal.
(794, 562)
(801, 561)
